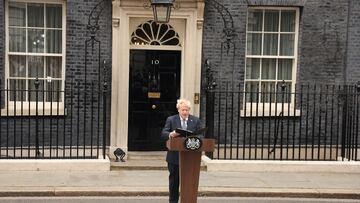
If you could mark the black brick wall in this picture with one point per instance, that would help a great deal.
(323, 42)
(321, 45)
(77, 14)
(324, 54)
(353, 54)
(328, 52)
(77, 19)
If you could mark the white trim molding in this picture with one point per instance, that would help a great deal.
(185, 19)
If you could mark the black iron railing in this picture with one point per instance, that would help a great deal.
(47, 122)
(285, 122)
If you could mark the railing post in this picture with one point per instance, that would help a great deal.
(356, 133)
(37, 150)
(105, 86)
(344, 122)
(210, 103)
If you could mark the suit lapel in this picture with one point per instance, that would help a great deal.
(177, 122)
(190, 123)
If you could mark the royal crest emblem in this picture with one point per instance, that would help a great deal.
(192, 143)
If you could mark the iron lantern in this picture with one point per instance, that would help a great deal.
(162, 10)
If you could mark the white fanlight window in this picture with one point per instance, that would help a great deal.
(152, 33)
(35, 49)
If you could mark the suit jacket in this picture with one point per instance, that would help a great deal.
(173, 122)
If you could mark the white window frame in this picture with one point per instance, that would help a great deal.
(29, 107)
(266, 108)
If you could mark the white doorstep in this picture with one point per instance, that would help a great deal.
(55, 164)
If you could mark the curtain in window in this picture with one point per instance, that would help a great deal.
(54, 25)
(268, 70)
(17, 39)
(35, 28)
(53, 67)
(271, 21)
(254, 44)
(255, 20)
(35, 15)
(270, 44)
(252, 68)
(270, 37)
(285, 69)
(287, 44)
(287, 21)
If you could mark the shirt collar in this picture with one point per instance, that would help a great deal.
(186, 119)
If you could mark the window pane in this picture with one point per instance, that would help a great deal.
(17, 88)
(252, 68)
(17, 65)
(17, 40)
(268, 92)
(287, 21)
(36, 66)
(36, 95)
(285, 69)
(287, 44)
(255, 19)
(36, 40)
(53, 41)
(53, 67)
(17, 12)
(270, 44)
(252, 89)
(268, 70)
(36, 15)
(254, 44)
(53, 16)
(53, 93)
(271, 23)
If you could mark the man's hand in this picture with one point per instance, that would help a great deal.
(173, 134)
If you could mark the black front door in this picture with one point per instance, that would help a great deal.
(154, 88)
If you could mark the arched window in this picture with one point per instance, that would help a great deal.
(152, 33)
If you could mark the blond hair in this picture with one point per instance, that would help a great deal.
(181, 102)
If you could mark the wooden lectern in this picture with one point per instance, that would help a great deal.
(189, 166)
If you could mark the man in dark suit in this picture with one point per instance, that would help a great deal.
(185, 121)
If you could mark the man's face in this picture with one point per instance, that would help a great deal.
(184, 111)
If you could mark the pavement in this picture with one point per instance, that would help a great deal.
(153, 181)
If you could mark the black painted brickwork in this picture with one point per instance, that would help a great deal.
(77, 13)
(353, 54)
(328, 46)
(325, 34)
(322, 39)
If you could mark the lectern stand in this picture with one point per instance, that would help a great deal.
(189, 166)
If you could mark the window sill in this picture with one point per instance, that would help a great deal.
(267, 110)
(267, 113)
(5, 112)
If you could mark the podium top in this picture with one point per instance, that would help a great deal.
(178, 144)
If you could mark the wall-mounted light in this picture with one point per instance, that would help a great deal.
(162, 10)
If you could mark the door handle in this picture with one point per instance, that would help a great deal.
(153, 106)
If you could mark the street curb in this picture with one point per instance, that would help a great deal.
(296, 193)
(281, 194)
(281, 166)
